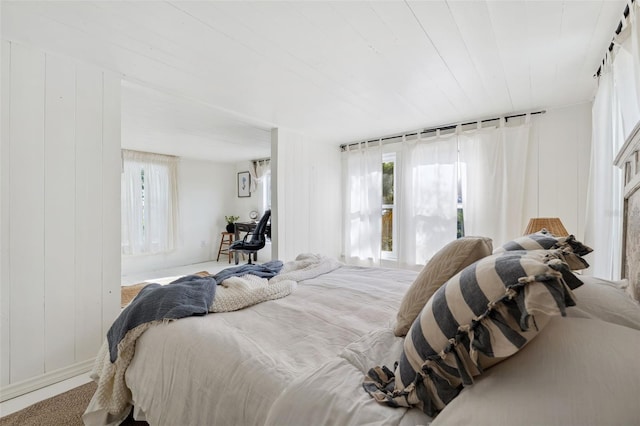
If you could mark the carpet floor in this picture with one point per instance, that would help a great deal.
(129, 292)
(64, 409)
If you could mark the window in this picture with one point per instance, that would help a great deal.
(149, 203)
(461, 168)
(388, 242)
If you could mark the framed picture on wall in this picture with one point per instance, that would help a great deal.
(244, 184)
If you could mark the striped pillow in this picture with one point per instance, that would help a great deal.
(484, 314)
(572, 249)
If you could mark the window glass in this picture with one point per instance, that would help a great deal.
(388, 204)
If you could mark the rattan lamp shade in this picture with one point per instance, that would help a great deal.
(551, 224)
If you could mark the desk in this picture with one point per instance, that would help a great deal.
(248, 227)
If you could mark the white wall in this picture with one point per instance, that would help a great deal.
(558, 167)
(60, 244)
(206, 190)
(306, 196)
(242, 206)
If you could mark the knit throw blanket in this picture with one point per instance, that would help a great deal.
(236, 290)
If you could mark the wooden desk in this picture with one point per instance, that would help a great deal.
(247, 227)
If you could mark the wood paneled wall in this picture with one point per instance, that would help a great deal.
(60, 216)
(306, 199)
(558, 167)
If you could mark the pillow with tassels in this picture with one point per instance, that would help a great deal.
(572, 250)
(482, 315)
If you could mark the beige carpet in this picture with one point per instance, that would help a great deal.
(128, 292)
(64, 409)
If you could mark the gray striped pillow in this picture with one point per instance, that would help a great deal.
(572, 250)
(484, 314)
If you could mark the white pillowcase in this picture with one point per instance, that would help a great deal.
(576, 372)
(605, 300)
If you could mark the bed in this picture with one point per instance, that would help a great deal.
(315, 353)
(301, 359)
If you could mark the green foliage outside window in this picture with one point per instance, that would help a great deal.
(387, 183)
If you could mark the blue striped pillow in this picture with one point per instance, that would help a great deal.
(484, 314)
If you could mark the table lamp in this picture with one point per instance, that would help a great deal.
(551, 224)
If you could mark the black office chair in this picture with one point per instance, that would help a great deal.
(257, 241)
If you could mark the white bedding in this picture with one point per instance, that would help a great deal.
(229, 368)
(333, 394)
(302, 360)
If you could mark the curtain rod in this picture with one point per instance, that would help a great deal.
(618, 30)
(344, 146)
(261, 159)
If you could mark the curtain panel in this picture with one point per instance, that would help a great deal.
(149, 200)
(484, 166)
(604, 203)
(615, 112)
(258, 171)
(493, 180)
(363, 203)
(427, 197)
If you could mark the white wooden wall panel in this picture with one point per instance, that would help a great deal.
(532, 188)
(277, 188)
(111, 170)
(558, 166)
(27, 212)
(559, 169)
(306, 202)
(89, 212)
(59, 238)
(325, 174)
(5, 287)
(60, 246)
(583, 131)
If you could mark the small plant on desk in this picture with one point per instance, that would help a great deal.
(230, 222)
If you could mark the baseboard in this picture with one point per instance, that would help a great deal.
(17, 389)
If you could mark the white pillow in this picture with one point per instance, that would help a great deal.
(605, 300)
(576, 372)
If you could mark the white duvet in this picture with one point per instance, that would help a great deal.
(333, 394)
(229, 368)
(301, 360)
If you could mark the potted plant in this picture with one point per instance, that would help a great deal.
(230, 222)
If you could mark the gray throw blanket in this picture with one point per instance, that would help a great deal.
(187, 296)
(266, 270)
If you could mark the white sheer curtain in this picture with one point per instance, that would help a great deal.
(149, 199)
(615, 112)
(363, 203)
(493, 180)
(258, 172)
(603, 229)
(634, 13)
(427, 199)
(625, 78)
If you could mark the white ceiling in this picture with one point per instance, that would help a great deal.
(209, 79)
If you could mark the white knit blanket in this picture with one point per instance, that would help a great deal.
(239, 292)
(112, 401)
